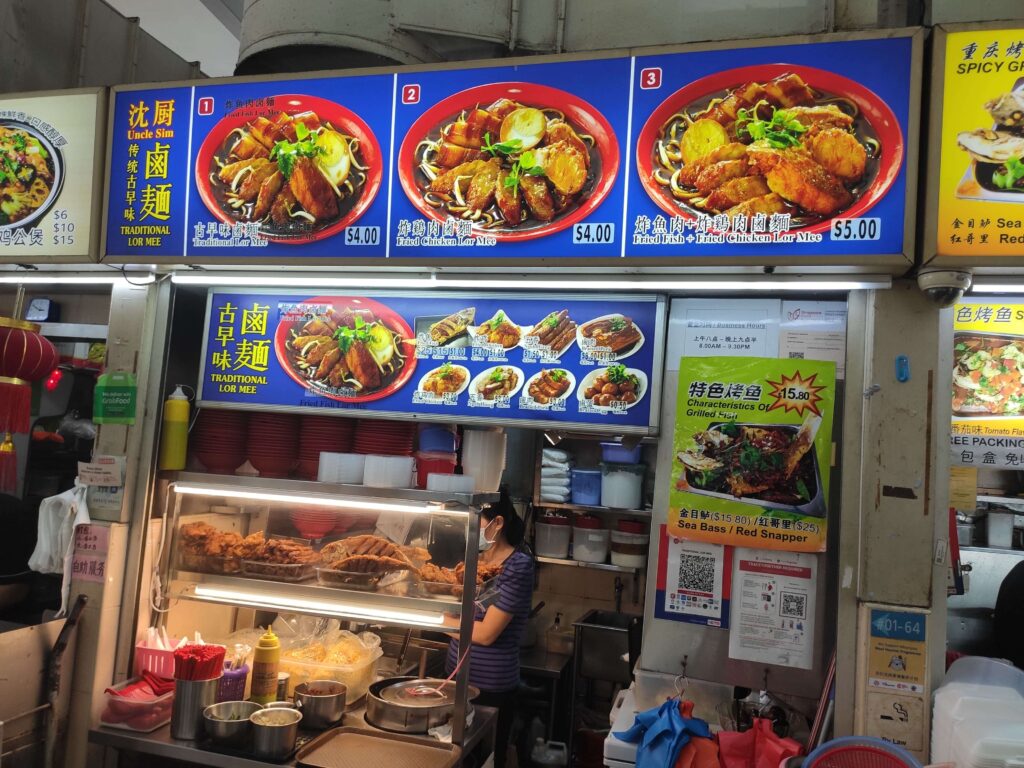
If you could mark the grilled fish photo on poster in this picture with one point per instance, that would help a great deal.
(996, 151)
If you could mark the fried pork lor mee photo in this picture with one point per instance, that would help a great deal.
(773, 147)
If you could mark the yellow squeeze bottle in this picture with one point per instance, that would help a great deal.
(174, 433)
(265, 661)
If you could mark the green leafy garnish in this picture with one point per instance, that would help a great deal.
(19, 142)
(618, 323)
(617, 374)
(527, 163)
(551, 321)
(781, 131)
(730, 429)
(445, 371)
(557, 374)
(498, 374)
(285, 153)
(504, 148)
(1014, 173)
(346, 336)
(801, 488)
(495, 321)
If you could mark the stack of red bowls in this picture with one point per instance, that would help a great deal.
(218, 440)
(313, 523)
(322, 434)
(273, 443)
(384, 438)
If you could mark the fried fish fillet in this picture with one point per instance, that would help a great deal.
(838, 152)
(795, 176)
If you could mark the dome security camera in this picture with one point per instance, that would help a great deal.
(944, 287)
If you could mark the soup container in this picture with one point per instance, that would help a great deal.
(228, 723)
(274, 732)
(321, 702)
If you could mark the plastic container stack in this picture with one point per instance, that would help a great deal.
(483, 456)
(589, 539)
(586, 487)
(555, 476)
(553, 534)
(978, 720)
(622, 485)
(629, 544)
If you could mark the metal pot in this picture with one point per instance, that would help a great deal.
(274, 732)
(402, 704)
(321, 702)
(228, 723)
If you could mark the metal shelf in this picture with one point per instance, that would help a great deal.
(336, 493)
(587, 508)
(592, 566)
(312, 598)
(83, 331)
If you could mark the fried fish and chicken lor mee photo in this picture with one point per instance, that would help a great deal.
(503, 165)
(774, 147)
(291, 173)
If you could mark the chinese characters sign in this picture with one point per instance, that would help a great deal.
(48, 175)
(584, 158)
(752, 452)
(980, 186)
(446, 357)
(988, 385)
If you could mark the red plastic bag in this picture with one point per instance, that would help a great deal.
(757, 748)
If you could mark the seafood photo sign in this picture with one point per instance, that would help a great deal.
(765, 151)
(752, 452)
(988, 385)
(540, 360)
(979, 197)
(49, 166)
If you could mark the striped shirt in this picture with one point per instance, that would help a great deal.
(495, 667)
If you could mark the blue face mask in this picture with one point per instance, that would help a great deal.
(484, 544)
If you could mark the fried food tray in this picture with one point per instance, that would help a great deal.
(357, 748)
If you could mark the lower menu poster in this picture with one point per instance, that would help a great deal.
(579, 360)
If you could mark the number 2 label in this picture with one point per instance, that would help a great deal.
(410, 94)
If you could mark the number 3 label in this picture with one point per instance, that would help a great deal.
(650, 78)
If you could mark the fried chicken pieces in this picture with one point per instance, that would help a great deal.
(810, 171)
(206, 548)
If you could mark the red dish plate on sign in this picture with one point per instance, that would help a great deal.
(218, 143)
(404, 355)
(875, 120)
(581, 116)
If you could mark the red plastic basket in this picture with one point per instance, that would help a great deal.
(154, 660)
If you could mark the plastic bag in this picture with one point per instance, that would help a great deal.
(757, 748)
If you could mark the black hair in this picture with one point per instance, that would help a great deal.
(514, 527)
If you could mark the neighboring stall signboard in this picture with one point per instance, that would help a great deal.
(799, 150)
(776, 150)
(752, 452)
(980, 187)
(988, 385)
(49, 175)
(540, 360)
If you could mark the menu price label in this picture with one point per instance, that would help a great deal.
(445, 357)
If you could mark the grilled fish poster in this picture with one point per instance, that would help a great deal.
(752, 451)
(981, 172)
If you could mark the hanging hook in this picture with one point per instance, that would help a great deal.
(682, 682)
(765, 686)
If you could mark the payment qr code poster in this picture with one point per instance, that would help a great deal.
(693, 581)
(772, 608)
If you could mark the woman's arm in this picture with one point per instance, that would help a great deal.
(488, 629)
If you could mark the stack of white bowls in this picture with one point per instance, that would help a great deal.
(483, 457)
(450, 483)
(341, 468)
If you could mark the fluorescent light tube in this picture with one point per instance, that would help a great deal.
(270, 280)
(984, 287)
(266, 599)
(70, 279)
(361, 505)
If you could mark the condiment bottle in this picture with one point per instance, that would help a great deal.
(265, 662)
(174, 433)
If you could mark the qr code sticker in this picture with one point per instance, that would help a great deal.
(796, 355)
(697, 573)
(794, 606)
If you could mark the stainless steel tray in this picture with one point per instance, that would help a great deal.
(357, 748)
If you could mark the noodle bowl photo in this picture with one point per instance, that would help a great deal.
(770, 139)
(31, 175)
(515, 160)
(302, 172)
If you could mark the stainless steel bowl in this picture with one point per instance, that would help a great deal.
(321, 702)
(274, 732)
(228, 722)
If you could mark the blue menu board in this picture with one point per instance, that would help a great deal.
(795, 150)
(538, 360)
(553, 138)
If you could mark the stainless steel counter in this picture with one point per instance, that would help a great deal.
(160, 744)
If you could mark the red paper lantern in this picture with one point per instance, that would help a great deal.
(25, 357)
